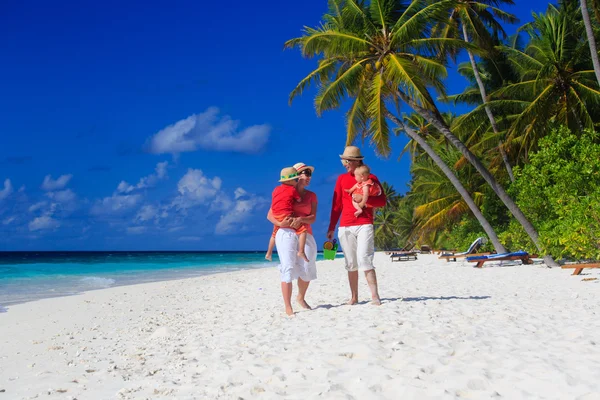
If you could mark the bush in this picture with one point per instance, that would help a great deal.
(559, 191)
(464, 233)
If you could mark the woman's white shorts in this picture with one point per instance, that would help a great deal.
(292, 267)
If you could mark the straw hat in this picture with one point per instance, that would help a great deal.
(288, 174)
(301, 167)
(351, 153)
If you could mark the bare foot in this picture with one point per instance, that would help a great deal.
(352, 302)
(303, 256)
(376, 302)
(269, 257)
(303, 303)
(290, 312)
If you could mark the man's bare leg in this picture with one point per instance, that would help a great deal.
(286, 291)
(302, 288)
(372, 281)
(353, 281)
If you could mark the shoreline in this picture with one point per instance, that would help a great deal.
(68, 284)
(444, 330)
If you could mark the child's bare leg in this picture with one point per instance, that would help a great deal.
(269, 255)
(359, 210)
(301, 245)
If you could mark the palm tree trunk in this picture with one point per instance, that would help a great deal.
(487, 227)
(434, 117)
(488, 111)
(591, 40)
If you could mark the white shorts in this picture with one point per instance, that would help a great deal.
(291, 267)
(358, 245)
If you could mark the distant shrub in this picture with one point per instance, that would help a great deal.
(464, 233)
(559, 191)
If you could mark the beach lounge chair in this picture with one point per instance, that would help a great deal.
(404, 256)
(579, 267)
(517, 255)
(471, 251)
(425, 249)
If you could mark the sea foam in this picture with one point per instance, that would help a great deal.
(97, 282)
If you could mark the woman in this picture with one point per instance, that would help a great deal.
(291, 266)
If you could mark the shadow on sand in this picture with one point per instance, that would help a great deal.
(392, 299)
(426, 298)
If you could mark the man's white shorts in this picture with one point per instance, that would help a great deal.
(358, 245)
(292, 267)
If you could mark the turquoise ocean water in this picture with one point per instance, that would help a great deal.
(28, 276)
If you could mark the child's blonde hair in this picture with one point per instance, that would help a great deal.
(362, 170)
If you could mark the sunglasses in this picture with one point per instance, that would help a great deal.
(348, 161)
(305, 172)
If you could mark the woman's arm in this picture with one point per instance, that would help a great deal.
(282, 224)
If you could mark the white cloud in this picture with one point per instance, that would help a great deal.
(209, 131)
(62, 196)
(146, 213)
(136, 230)
(161, 169)
(147, 181)
(115, 204)
(241, 210)
(9, 220)
(44, 222)
(234, 217)
(37, 206)
(196, 189)
(59, 183)
(8, 189)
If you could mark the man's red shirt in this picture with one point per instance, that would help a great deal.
(342, 203)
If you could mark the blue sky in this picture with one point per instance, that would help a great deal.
(161, 125)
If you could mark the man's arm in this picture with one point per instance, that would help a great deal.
(336, 205)
(377, 201)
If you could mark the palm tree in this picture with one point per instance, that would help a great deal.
(487, 227)
(376, 54)
(474, 18)
(439, 203)
(556, 81)
(390, 193)
(472, 128)
(394, 225)
(591, 39)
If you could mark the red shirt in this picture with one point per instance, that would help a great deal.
(304, 207)
(283, 199)
(342, 203)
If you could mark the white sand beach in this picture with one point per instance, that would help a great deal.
(444, 331)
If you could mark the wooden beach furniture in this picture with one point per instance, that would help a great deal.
(471, 251)
(521, 255)
(425, 249)
(579, 267)
(405, 256)
(453, 257)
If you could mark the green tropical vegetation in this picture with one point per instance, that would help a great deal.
(520, 167)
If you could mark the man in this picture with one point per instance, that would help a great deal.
(356, 234)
